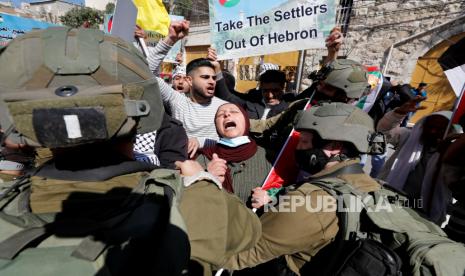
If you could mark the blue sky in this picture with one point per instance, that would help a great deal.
(18, 2)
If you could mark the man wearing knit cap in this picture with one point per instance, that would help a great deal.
(179, 79)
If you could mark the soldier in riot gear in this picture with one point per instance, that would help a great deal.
(316, 227)
(342, 80)
(92, 209)
(332, 137)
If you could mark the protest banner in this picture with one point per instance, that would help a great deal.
(122, 23)
(241, 28)
(12, 26)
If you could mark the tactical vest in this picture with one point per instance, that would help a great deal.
(145, 235)
(380, 235)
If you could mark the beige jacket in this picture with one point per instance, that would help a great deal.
(298, 235)
(219, 225)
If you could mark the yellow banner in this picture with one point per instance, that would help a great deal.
(152, 16)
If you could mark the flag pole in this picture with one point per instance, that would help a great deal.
(300, 69)
(143, 46)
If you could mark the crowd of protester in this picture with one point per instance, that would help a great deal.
(233, 138)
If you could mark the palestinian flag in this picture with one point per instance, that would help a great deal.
(285, 169)
(375, 79)
(453, 64)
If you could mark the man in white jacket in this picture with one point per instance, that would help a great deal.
(413, 166)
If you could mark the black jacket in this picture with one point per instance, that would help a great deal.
(171, 142)
(255, 107)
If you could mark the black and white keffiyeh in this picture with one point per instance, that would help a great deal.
(144, 148)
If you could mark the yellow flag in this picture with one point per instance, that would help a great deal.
(152, 16)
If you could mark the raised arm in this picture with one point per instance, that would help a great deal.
(221, 89)
(178, 30)
(333, 44)
(389, 125)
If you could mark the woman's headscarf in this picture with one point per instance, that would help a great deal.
(237, 154)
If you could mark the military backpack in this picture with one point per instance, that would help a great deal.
(379, 234)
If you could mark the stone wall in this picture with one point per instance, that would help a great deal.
(376, 25)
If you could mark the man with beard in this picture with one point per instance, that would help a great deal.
(197, 111)
(413, 166)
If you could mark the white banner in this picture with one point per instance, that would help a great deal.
(456, 77)
(241, 28)
(124, 20)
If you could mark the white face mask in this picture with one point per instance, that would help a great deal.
(234, 142)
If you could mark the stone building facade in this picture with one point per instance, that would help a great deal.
(98, 4)
(50, 10)
(410, 27)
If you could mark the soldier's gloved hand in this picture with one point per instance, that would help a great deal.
(217, 167)
(297, 106)
(279, 122)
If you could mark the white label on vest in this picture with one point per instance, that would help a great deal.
(72, 126)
